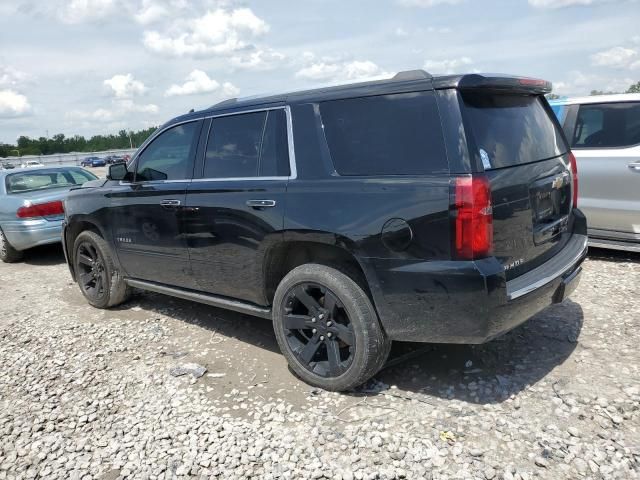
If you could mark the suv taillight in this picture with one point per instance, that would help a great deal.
(472, 217)
(574, 175)
(41, 210)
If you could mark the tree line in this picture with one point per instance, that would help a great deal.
(61, 144)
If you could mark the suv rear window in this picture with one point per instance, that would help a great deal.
(509, 130)
(607, 125)
(396, 134)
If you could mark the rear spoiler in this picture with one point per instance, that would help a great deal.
(504, 84)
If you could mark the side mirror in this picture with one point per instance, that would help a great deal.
(117, 171)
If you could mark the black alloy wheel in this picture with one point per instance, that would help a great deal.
(92, 274)
(318, 330)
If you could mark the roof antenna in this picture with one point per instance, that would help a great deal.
(191, 111)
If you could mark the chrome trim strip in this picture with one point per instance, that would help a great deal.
(580, 252)
(207, 299)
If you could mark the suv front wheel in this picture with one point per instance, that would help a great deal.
(327, 328)
(99, 280)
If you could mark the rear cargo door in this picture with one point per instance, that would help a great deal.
(518, 143)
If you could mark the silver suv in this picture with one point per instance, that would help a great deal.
(604, 132)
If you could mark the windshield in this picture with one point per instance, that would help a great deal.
(509, 130)
(46, 179)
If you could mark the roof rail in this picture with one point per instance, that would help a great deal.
(229, 101)
(412, 75)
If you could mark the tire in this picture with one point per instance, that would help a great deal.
(327, 328)
(99, 280)
(8, 254)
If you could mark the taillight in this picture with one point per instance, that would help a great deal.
(41, 210)
(473, 218)
(574, 175)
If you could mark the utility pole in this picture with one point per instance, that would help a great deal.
(130, 141)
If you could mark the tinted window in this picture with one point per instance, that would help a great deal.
(607, 125)
(385, 135)
(509, 130)
(248, 145)
(274, 159)
(168, 156)
(46, 179)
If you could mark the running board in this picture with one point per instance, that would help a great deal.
(213, 300)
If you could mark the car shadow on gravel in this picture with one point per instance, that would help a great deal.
(246, 328)
(488, 373)
(618, 256)
(492, 372)
(45, 255)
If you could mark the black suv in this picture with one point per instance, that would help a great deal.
(419, 208)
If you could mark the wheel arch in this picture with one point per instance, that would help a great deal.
(71, 232)
(325, 249)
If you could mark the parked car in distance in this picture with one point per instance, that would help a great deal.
(418, 208)
(110, 160)
(93, 162)
(604, 133)
(32, 164)
(7, 166)
(31, 206)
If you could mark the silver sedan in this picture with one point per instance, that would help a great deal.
(31, 206)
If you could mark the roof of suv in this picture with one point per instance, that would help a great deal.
(401, 82)
(620, 97)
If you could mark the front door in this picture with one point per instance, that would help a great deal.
(148, 214)
(235, 210)
(606, 143)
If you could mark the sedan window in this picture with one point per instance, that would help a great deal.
(46, 179)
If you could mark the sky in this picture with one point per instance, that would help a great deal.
(98, 66)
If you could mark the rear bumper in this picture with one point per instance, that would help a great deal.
(24, 234)
(468, 302)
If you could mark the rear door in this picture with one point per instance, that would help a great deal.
(517, 141)
(606, 142)
(147, 215)
(235, 206)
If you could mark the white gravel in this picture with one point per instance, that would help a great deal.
(90, 394)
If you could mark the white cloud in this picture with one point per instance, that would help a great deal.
(554, 4)
(151, 12)
(125, 86)
(260, 59)
(10, 76)
(218, 32)
(447, 65)
(427, 3)
(120, 109)
(199, 82)
(346, 71)
(617, 57)
(400, 32)
(79, 11)
(579, 83)
(13, 104)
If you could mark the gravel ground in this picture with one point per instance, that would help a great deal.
(86, 393)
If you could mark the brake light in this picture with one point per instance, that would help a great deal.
(574, 175)
(41, 210)
(532, 82)
(473, 224)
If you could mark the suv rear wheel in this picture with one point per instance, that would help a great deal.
(327, 328)
(100, 282)
(8, 254)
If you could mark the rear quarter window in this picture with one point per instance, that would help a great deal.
(397, 134)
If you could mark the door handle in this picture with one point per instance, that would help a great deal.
(169, 203)
(261, 203)
(635, 166)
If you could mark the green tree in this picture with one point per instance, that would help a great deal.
(635, 88)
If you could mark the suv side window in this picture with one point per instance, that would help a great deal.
(607, 125)
(168, 156)
(397, 134)
(248, 145)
